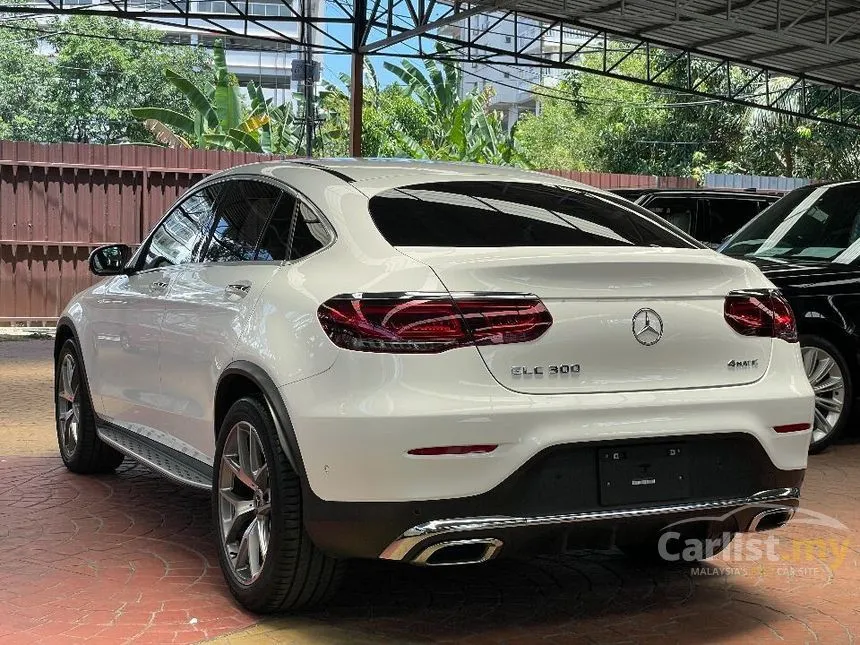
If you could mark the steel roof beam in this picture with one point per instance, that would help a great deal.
(695, 17)
(735, 36)
(422, 24)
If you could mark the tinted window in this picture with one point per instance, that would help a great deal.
(309, 234)
(678, 211)
(493, 213)
(240, 217)
(275, 243)
(805, 224)
(725, 216)
(178, 238)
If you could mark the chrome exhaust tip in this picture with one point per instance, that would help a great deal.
(771, 518)
(457, 552)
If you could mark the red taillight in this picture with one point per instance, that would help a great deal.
(765, 313)
(431, 323)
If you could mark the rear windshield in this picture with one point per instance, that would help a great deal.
(504, 214)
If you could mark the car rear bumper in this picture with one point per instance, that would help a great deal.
(356, 423)
(554, 503)
(423, 543)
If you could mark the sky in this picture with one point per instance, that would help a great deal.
(335, 64)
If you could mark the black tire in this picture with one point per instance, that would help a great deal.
(819, 344)
(87, 454)
(294, 574)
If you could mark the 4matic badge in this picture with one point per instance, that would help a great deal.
(743, 365)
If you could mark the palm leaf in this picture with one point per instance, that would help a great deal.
(164, 135)
(168, 117)
(248, 142)
(197, 97)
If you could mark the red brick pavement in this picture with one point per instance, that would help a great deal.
(129, 558)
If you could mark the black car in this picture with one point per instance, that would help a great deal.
(707, 215)
(808, 244)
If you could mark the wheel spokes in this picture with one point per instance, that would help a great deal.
(68, 387)
(233, 462)
(246, 506)
(828, 405)
(68, 406)
(236, 515)
(822, 369)
(828, 384)
(831, 384)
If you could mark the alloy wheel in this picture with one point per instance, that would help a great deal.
(828, 383)
(69, 405)
(245, 502)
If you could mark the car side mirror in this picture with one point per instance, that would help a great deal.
(110, 259)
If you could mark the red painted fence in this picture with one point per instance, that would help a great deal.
(58, 201)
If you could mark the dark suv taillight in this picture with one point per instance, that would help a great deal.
(431, 323)
(761, 313)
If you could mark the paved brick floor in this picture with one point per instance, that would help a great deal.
(129, 558)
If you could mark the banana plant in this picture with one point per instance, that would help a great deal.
(218, 119)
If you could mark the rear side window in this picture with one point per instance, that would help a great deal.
(240, 218)
(678, 211)
(294, 232)
(275, 243)
(727, 215)
(505, 214)
(309, 233)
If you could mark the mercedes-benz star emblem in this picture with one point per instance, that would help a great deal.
(647, 327)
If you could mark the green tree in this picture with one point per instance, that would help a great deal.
(598, 123)
(25, 93)
(457, 128)
(385, 111)
(102, 67)
(217, 119)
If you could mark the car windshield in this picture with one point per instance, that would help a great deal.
(814, 222)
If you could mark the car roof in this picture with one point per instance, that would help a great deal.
(391, 173)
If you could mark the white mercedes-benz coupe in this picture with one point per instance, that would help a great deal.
(436, 364)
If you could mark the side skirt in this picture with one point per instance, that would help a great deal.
(166, 461)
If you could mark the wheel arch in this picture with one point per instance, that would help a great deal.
(65, 331)
(242, 378)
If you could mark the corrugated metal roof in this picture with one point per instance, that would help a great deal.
(819, 39)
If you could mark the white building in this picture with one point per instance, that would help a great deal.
(264, 61)
(512, 84)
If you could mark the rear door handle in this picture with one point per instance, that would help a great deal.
(239, 289)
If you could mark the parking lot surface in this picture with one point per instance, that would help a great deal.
(130, 558)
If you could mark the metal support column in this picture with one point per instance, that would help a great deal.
(356, 94)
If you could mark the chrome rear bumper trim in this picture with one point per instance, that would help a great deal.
(402, 546)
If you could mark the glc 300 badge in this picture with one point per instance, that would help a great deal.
(545, 370)
(647, 327)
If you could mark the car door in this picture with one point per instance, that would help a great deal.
(208, 302)
(128, 316)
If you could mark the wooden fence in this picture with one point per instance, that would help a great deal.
(59, 201)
